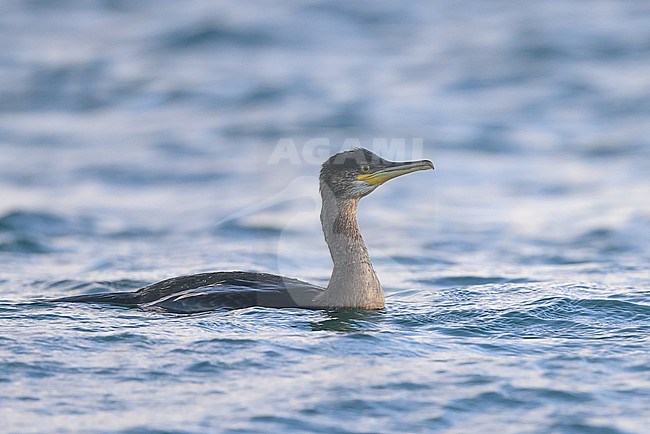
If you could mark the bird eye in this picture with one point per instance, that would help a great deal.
(365, 168)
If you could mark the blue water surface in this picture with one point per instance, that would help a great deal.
(144, 140)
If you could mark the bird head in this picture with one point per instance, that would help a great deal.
(356, 173)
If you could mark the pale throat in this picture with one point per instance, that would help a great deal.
(354, 282)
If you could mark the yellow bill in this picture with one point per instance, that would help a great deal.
(393, 171)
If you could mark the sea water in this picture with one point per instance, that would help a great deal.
(145, 140)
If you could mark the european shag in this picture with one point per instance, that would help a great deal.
(345, 178)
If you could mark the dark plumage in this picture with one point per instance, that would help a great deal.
(209, 291)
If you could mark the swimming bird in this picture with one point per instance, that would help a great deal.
(344, 179)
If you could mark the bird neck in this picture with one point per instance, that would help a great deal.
(353, 283)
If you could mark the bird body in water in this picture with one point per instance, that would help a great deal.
(344, 179)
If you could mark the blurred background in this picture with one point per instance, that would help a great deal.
(141, 139)
(151, 122)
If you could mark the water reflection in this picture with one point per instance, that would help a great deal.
(348, 321)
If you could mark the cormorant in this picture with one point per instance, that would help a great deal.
(345, 178)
